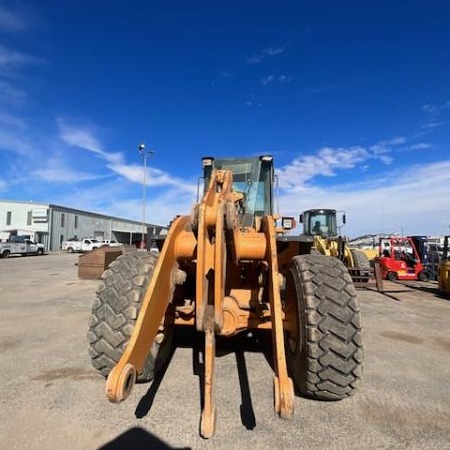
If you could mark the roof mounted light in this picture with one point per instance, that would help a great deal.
(207, 161)
(266, 158)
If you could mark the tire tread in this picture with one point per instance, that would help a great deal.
(334, 352)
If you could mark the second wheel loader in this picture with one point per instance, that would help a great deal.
(322, 225)
(225, 269)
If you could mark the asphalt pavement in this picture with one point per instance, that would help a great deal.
(51, 397)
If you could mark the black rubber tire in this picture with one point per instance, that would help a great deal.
(392, 276)
(115, 311)
(325, 358)
(6, 254)
(40, 252)
(360, 260)
(423, 275)
(362, 263)
(70, 250)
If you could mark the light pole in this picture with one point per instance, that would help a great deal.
(145, 154)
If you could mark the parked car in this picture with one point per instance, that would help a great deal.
(111, 243)
(83, 245)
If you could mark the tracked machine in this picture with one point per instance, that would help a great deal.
(224, 269)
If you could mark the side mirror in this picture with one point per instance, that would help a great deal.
(301, 218)
(343, 218)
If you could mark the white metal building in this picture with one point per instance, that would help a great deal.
(53, 224)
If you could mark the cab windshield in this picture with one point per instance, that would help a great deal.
(252, 178)
(321, 223)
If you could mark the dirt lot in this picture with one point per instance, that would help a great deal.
(51, 398)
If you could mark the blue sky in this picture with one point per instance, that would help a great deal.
(352, 98)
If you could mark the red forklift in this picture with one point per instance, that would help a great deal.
(400, 260)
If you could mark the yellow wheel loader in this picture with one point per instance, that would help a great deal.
(444, 269)
(226, 269)
(322, 225)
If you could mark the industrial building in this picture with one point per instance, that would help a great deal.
(52, 224)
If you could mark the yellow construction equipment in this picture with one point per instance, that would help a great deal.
(322, 225)
(225, 269)
(444, 269)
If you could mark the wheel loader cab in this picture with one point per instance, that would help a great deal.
(320, 222)
(252, 177)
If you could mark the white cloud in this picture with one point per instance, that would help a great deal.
(435, 109)
(266, 53)
(11, 120)
(11, 21)
(11, 95)
(55, 170)
(154, 177)
(431, 125)
(386, 159)
(386, 146)
(11, 60)
(328, 160)
(284, 79)
(403, 198)
(116, 200)
(435, 115)
(78, 137)
(84, 138)
(253, 101)
(383, 204)
(11, 142)
(269, 79)
(429, 108)
(420, 146)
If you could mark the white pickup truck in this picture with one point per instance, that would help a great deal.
(27, 247)
(83, 245)
(111, 243)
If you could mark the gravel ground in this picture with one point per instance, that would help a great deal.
(51, 398)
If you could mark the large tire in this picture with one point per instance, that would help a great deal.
(5, 254)
(324, 351)
(392, 276)
(115, 311)
(423, 275)
(362, 263)
(360, 260)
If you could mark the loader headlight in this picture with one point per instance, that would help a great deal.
(288, 223)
